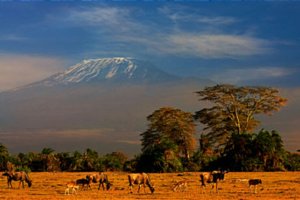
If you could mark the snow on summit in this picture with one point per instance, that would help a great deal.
(108, 69)
(105, 68)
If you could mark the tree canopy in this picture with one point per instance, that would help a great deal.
(234, 108)
(170, 125)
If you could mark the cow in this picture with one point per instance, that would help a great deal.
(254, 182)
(17, 176)
(71, 186)
(140, 179)
(100, 178)
(212, 178)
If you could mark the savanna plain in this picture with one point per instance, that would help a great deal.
(51, 186)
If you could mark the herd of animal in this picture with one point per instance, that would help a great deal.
(140, 179)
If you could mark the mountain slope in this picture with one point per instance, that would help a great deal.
(112, 70)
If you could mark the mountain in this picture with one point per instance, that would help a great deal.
(97, 103)
(112, 70)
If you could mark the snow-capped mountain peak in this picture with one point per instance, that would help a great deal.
(108, 69)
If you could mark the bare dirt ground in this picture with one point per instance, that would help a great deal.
(51, 186)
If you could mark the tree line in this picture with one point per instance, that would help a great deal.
(228, 139)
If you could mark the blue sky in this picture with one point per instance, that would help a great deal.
(234, 42)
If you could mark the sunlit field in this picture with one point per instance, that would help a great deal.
(276, 185)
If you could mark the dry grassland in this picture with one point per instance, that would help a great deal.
(51, 186)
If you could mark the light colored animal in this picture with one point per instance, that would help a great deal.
(17, 176)
(71, 186)
(182, 185)
(140, 179)
(254, 182)
(212, 178)
(84, 182)
(100, 178)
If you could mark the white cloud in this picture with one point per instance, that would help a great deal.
(183, 14)
(94, 16)
(104, 18)
(213, 20)
(19, 70)
(234, 76)
(216, 46)
(121, 25)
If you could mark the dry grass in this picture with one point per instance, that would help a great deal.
(51, 186)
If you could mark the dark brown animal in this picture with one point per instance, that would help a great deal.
(140, 179)
(254, 182)
(212, 178)
(17, 176)
(84, 182)
(103, 180)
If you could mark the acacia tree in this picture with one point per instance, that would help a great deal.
(234, 109)
(170, 126)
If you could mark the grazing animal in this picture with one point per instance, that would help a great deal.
(84, 182)
(254, 182)
(104, 180)
(140, 179)
(212, 178)
(182, 185)
(100, 178)
(17, 176)
(71, 186)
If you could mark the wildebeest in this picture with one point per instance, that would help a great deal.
(140, 179)
(212, 178)
(103, 179)
(254, 182)
(100, 178)
(17, 176)
(84, 182)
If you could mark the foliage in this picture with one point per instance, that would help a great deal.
(168, 140)
(170, 125)
(292, 162)
(156, 160)
(114, 161)
(3, 157)
(234, 109)
(254, 152)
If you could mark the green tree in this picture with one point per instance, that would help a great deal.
(254, 152)
(234, 109)
(36, 161)
(50, 161)
(89, 158)
(4, 155)
(292, 161)
(170, 125)
(65, 160)
(269, 148)
(77, 161)
(114, 161)
(238, 153)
